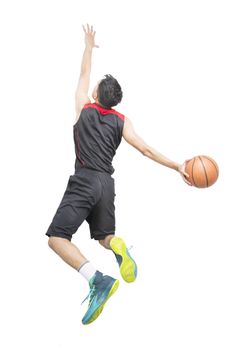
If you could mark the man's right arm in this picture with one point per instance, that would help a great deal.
(132, 138)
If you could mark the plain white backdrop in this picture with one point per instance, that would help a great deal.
(174, 62)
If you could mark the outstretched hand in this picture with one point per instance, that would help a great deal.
(183, 173)
(89, 36)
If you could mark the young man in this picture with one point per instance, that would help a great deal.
(90, 193)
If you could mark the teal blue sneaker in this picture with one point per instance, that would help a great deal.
(128, 267)
(101, 289)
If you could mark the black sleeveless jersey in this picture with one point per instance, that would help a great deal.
(97, 135)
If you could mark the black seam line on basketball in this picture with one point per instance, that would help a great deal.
(213, 164)
(204, 172)
(192, 173)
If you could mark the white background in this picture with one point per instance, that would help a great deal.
(174, 62)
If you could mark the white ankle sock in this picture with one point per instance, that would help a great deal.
(87, 270)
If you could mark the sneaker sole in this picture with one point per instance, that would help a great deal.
(100, 308)
(128, 266)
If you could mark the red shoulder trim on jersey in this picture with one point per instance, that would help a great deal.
(104, 111)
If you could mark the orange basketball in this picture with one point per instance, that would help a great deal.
(203, 171)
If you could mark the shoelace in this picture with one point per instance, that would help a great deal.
(90, 294)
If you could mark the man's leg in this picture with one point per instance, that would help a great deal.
(128, 267)
(67, 251)
(101, 287)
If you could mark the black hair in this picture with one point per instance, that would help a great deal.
(109, 92)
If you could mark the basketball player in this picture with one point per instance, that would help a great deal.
(90, 193)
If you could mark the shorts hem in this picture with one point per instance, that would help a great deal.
(99, 236)
(60, 235)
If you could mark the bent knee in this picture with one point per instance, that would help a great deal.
(53, 241)
(101, 242)
(106, 241)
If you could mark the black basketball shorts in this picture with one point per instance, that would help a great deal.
(89, 196)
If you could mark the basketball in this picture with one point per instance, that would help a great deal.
(202, 170)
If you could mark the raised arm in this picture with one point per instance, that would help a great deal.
(136, 141)
(81, 94)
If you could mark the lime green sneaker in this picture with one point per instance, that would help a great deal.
(128, 267)
(101, 289)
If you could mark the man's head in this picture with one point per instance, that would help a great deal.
(108, 92)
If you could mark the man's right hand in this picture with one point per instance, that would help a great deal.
(184, 174)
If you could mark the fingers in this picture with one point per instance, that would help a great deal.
(182, 170)
(185, 177)
(186, 180)
(184, 174)
(88, 29)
